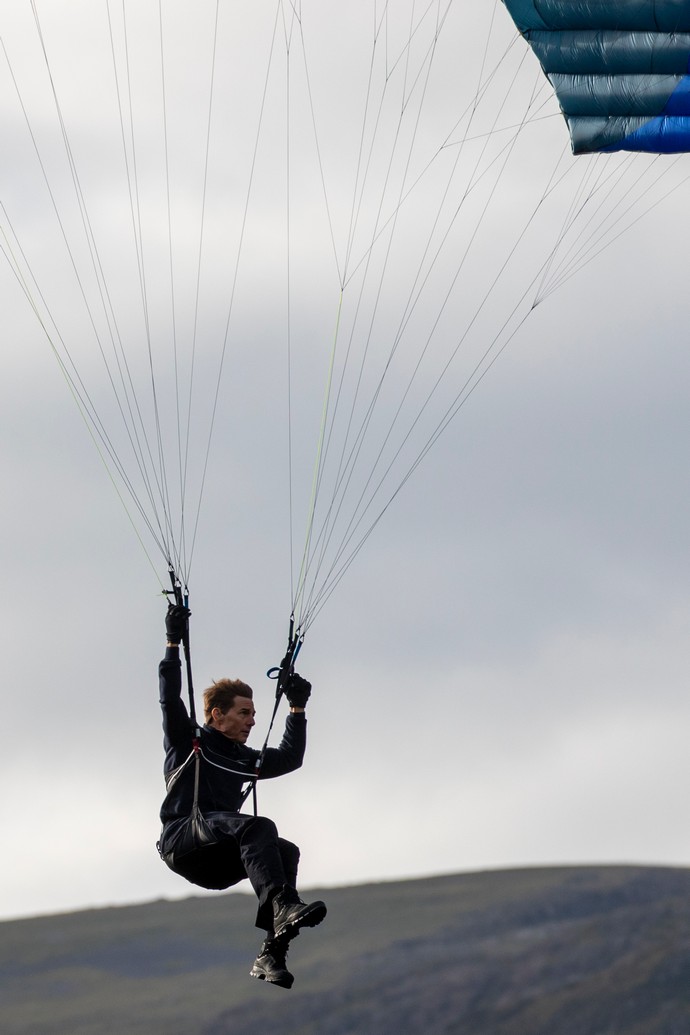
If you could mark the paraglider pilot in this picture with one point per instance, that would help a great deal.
(205, 838)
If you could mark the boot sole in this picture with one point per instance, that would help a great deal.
(285, 982)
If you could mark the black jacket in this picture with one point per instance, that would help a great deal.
(224, 762)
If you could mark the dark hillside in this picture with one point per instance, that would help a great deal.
(558, 951)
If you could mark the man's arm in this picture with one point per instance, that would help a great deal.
(177, 732)
(289, 754)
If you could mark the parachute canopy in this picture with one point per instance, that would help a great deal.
(619, 69)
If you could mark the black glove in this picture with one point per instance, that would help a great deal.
(297, 691)
(176, 622)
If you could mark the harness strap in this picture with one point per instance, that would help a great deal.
(196, 748)
(281, 673)
(182, 599)
(251, 788)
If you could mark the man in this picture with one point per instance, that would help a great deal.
(205, 837)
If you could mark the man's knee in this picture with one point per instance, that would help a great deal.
(262, 829)
(289, 853)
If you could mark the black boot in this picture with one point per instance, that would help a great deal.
(290, 913)
(271, 965)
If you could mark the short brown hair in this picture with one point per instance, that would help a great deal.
(222, 695)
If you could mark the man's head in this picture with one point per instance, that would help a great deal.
(229, 708)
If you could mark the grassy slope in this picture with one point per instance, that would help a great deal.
(557, 951)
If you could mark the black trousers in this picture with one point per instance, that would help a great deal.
(243, 847)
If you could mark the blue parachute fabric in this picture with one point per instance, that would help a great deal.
(620, 70)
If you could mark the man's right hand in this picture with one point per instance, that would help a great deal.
(297, 691)
(176, 621)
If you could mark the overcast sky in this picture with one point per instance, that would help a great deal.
(500, 679)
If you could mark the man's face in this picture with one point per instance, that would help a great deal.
(237, 722)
